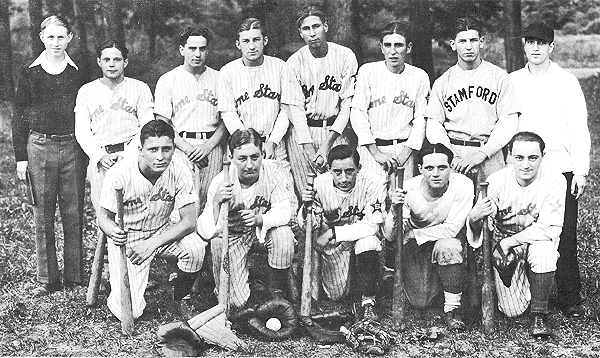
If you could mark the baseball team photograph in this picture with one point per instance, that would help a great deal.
(295, 178)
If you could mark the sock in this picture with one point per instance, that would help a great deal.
(452, 277)
(390, 254)
(451, 301)
(182, 285)
(367, 300)
(541, 284)
(367, 264)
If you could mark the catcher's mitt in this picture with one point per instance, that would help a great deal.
(178, 339)
(505, 264)
(319, 334)
(277, 308)
(369, 337)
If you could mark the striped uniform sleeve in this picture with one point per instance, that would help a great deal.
(206, 225)
(145, 114)
(348, 80)
(163, 104)
(359, 115)
(292, 97)
(417, 133)
(184, 189)
(435, 115)
(108, 199)
(226, 103)
(280, 212)
(83, 130)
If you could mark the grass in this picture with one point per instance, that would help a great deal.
(61, 324)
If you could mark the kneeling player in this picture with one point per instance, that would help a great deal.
(153, 186)
(527, 205)
(436, 205)
(259, 211)
(348, 206)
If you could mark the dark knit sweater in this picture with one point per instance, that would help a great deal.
(44, 103)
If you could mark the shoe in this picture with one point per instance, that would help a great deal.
(71, 285)
(539, 326)
(454, 321)
(573, 311)
(369, 312)
(45, 289)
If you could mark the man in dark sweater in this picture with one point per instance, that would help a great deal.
(48, 154)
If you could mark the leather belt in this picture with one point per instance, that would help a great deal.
(113, 148)
(321, 123)
(54, 137)
(196, 135)
(386, 142)
(467, 143)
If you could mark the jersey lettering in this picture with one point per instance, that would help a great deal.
(98, 111)
(181, 104)
(241, 99)
(377, 102)
(207, 96)
(464, 94)
(122, 104)
(308, 92)
(134, 202)
(259, 202)
(265, 91)
(354, 211)
(163, 195)
(403, 99)
(330, 84)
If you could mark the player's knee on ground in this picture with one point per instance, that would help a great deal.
(542, 257)
(193, 253)
(447, 252)
(280, 243)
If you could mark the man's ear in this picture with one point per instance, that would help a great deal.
(125, 62)
(409, 47)
(481, 41)
(237, 44)
(453, 45)
(266, 40)
(551, 47)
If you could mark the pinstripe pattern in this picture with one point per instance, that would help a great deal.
(368, 162)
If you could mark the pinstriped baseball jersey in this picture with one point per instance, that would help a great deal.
(390, 105)
(114, 115)
(325, 86)
(146, 206)
(256, 93)
(190, 104)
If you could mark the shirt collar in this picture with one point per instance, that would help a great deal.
(52, 69)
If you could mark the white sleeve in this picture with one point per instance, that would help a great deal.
(83, 131)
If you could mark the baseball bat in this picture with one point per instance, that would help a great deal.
(97, 266)
(126, 307)
(224, 274)
(197, 286)
(398, 293)
(487, 289)
(474, 289)
(305, 299)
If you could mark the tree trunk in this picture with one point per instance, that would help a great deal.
(6, 78)
(80, 32)
(113, 18)
(343, 25)
(35, 19)
(422, 54)
(513, 48)
(152, 31)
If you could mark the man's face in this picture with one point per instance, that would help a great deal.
(252, 44)
(467, 45)
(55, 39)
(248, 160)
(537, 51)
(395, 49)
(156, 154)
(527, 158)
(344, 173)
(194, 52)
(313, 31)
(112, 63)
(436, 170)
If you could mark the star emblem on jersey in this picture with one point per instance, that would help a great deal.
(377, 206)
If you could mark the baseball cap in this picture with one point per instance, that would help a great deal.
(539, 30)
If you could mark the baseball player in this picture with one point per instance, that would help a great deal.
(326, 72)
(259, 206)
(554, 107)
(389, 105)
(473, 108)
(153, 186)
(436, 205)
(48, 155)
(109, 113)
(348, 208)
(526, 203)
(187, 97)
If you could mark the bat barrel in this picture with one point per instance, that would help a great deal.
(97, 266)
(398, 290)
(126, 306)
(305, 299)
(487, 289)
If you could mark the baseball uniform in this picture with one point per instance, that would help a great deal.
(554, 107)
(472, 111)
(388, 110)
(437, 227)
(356, 217)
(533, 215)
(191, 105)
(270, 197)
(107, 121)
(147, 208)
(327, 86)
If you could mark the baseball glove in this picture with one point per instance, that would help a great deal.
(505, 264)
(368, 337)
(319, 334)
(178, 339)
(277, 308)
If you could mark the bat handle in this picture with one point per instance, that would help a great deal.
(224, 275)
(398, 290)
(305, 299)
(126, 305)
(487, 295)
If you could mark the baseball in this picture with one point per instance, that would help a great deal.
(273, 324)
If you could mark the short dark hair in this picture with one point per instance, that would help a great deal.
(527, 137)
(244, 136)
(55, 20)
(156, 128)
(311, 10)
(110, 44)
(396, 27)
(194, 31)
(434, 148)
(251, 23)
(468, 23)
(343, 151)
